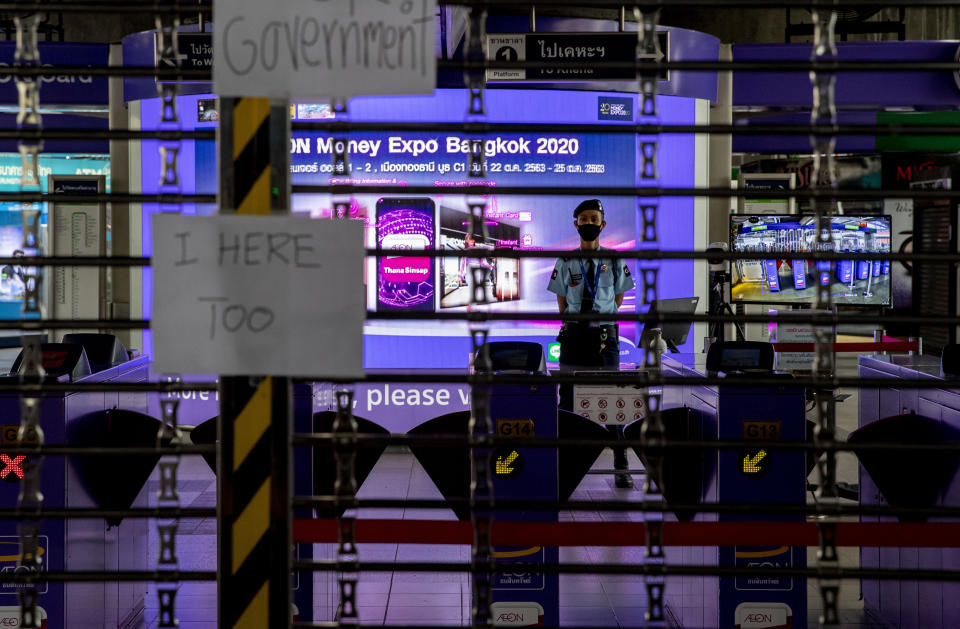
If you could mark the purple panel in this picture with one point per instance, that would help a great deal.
(930, 594)
(951, 590)
(909, 591)
(801, 143)
(875, 89)
(889, 589)
(150, 170)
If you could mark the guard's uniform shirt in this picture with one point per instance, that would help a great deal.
(569, 279)
(595, 345)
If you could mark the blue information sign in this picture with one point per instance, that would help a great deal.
(512, 159)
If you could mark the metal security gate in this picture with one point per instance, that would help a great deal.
(256, 507)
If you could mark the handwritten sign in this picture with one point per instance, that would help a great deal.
(324, 48)
(236, 295)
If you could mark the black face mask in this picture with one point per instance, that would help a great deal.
(589, 232)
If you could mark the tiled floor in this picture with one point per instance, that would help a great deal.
(444, 598)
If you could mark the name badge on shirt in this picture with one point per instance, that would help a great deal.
(576, 278)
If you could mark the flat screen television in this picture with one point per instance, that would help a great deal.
(784, 279)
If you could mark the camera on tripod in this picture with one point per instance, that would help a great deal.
(719, 276)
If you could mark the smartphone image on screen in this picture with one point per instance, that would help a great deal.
(405, 282)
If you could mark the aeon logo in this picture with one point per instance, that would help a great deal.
(511, 618)
(758, 618)
(517, 614)
(763, 616)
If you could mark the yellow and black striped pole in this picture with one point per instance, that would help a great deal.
(254, 462)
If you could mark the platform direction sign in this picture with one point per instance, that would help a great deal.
(594, 53)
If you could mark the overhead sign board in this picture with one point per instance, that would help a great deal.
(194, 52)
(61, 89)
(241, 295)
(571, 56)
(310, 49)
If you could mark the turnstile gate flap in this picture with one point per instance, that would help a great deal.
(448, 467)
(324, 463)
(114, 481)
(103, 350)
(575, 461)
(910, 478)
(205, 434)
(59, 359)
(681, 474)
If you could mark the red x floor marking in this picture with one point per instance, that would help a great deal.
(12, 466)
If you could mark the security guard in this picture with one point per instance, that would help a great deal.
(591, 285)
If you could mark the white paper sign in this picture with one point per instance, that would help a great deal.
(324, 48)
(238, 295)
(800, 333)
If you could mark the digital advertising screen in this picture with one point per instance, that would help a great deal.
(784, 279)
(442, 221)
(398, 224)
(405, 283)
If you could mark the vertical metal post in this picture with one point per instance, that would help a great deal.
(824, 177)
(648, 47)
(256, 412)
(169, 149)
(30, 431)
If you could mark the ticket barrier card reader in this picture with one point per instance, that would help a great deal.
(749, 475)
(844, 271)
(525, 595)
(799, 268)
(71, 544)
(823, 269)
(528, 595)
(772, 275)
